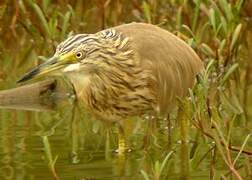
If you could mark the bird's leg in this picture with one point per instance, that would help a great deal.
(121, 141)
(125, 129)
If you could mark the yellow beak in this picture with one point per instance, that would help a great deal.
(50, 65)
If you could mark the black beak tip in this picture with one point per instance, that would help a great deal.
(28, 76)
(21, 80)
(31, 74)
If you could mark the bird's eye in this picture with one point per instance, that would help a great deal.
(79, 55)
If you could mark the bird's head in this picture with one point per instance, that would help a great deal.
(84, 52)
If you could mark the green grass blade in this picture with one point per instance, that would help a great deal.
(196, 14)
(165, 161)
(42, 18)
(65, 25)
(147, 11)
(212, 19)
(242, 148)
(235, 36)
(239, 4)
(232, 69)
(145, 175)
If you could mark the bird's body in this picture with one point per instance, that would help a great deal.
(125, 71)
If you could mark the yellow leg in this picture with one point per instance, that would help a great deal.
(125, 130)
(122, 147)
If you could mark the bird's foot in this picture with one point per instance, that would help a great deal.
(122, 150)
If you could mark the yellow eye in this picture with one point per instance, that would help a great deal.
(79, 55)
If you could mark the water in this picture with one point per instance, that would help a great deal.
(59, 140)
(82, 147)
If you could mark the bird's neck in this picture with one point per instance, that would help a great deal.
(81, 83)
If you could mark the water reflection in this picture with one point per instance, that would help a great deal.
(67, 143)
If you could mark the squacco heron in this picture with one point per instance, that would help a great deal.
(125, 71)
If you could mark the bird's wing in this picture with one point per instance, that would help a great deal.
(174, 63)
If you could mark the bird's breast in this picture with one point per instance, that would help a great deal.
(114, 100)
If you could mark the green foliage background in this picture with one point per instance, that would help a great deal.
(218, 111)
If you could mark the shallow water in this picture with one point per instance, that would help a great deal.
(62, 141)
(67, 143)
(84, 148)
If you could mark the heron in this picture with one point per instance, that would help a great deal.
(126, 71)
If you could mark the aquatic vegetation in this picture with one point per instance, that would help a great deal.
(208, 136)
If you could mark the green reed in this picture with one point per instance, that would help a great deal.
(208, 119)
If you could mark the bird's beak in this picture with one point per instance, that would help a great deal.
(52, 64)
